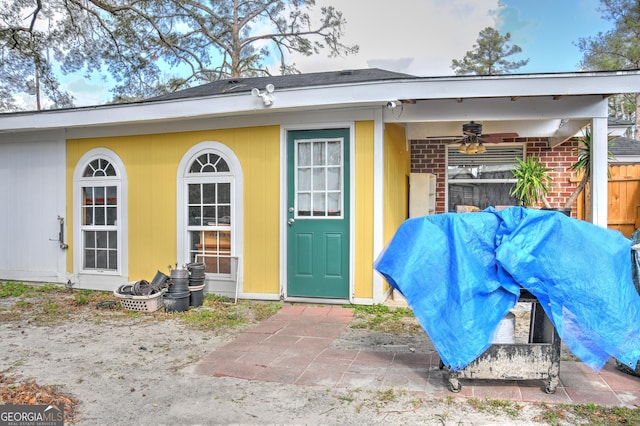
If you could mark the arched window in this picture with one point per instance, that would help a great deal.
(210, 207)
(98, 200)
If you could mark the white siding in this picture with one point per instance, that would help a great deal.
(32, 196)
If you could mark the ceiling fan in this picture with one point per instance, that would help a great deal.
(474, 140)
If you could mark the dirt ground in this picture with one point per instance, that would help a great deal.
(127, 370)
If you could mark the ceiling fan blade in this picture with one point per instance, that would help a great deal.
(497, 137)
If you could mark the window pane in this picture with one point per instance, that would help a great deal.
(113, 259)
(89, 239)
(113, 240)
(87, 215)
(209, 214)
(318, 154)
(89, 259)
(224, 215)
(100, 216)
(102, 239)
(480, 194)
(224, 193)
(194, 216)
(112, 195)
(333, 204)
(222, 166)
(334, 153)
(110, 170)
(319, 207)
(194, 194)
(112, 213)
(208, 193)
(482, 180)
(98, 192)
(333, 178)
(87, 194)
(304, 179)
(319, 175)
(101, 259)
(304, 154)
(304, 204)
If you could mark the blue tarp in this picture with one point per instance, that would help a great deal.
(462, 273)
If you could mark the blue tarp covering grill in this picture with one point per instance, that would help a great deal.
(462, 273)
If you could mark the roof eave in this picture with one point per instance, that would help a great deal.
(370, 93)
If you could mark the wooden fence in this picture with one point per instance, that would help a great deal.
(624, 198)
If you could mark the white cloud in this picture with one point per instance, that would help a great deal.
(418, 37)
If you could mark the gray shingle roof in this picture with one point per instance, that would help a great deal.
(245, 84)
(624, 146)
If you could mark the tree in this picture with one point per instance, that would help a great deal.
(488, 56)
(617, 49)
(26, 45)
(152, 47)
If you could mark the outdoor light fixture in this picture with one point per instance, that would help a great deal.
(393, 104)
(472, 148)
(266, 96)
(471, 145)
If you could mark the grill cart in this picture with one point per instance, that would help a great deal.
(539, 359)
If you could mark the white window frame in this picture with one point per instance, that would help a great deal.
(477, 181)
(120, 226)
(339, 191)
(184, 178)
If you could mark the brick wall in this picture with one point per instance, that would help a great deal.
(428, 156)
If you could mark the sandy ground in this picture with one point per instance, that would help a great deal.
(127, 371)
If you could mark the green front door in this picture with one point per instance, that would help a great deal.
(318, 213)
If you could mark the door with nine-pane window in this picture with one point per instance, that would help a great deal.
(318, 213)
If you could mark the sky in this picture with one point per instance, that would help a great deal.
(422, 37)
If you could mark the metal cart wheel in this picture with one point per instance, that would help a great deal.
(551, 386)
(454, 385)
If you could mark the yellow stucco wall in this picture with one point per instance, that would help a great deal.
(151, 163)
(363, 193)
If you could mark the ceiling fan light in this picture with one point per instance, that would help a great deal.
(481, 148)
(472, 148)
(462, 149)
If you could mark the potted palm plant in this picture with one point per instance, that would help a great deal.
(533, 182)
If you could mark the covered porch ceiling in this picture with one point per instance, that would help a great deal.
(557, 118)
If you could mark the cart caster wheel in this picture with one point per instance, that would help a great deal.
(455, 388)
(549, 388)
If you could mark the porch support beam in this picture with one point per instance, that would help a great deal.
(599, 167)
(378, 201)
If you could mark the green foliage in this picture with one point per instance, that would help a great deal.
(206, 319)
(589, 413)
(496, 406)
(617, 49)
(16, 289)
(382, 318)
(134, 43)
(533, 181)
(489, 55)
